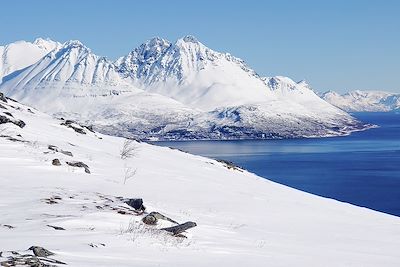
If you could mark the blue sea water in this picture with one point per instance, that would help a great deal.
(362, 169)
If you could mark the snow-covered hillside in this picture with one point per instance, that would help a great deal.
(242, 219)
(361, 101)
(174, 91)
(18, 55)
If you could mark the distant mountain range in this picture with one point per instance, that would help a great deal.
(364, 101)
(166, 91)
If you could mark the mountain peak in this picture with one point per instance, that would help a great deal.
(152, 48)
(157, 41)
(46, 43)
(40, 40)
(74, 44)
(190, 39)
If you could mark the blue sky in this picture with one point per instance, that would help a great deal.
(335, 45)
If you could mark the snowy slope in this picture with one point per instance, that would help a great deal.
(242, 219)
(174, 91)
(360, 101)
(21, 54)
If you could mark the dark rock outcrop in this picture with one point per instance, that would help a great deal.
(177, 229)
(56, 227)
(56, 162)
(153, 217)
(13, 139)
(19, 123)
(136, 203)
(56, 149)
(71, 124)
(79, 164)
(8, 226)
(230, 165)
(3, 98)
(8, 114)
(38, 259)
(40, 252)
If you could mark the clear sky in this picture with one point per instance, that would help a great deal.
(334, 45)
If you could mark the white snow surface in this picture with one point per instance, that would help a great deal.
(174, 91)
(242, 219)
(364, 101)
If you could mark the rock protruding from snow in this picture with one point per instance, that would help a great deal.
(3, 98)
(178, 229)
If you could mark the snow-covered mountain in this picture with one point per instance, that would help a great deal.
(174, 91)
(18, 55)
(64, 187)
(193, 74)
(362, 101)
(71, 70)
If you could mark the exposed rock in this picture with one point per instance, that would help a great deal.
(90, 128)
(3, 107)
(149, 219)
(17, 259)
(8, 226)
(56, 227)
(56, 162)
(177, 229)
(71, 124)
(52, 200)
(4, 119)
(56, 149)
(13, 100)
(19, 123)
(124, 211)
(41, 252)
(13, 139)
(136, 203)
(8, 114)
(97, 245)
(154, 216)
(79, 164)
(3, 98)
(230, 165)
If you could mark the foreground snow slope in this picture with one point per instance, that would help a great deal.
(242, 219)
(174, 91)
(364, 101)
